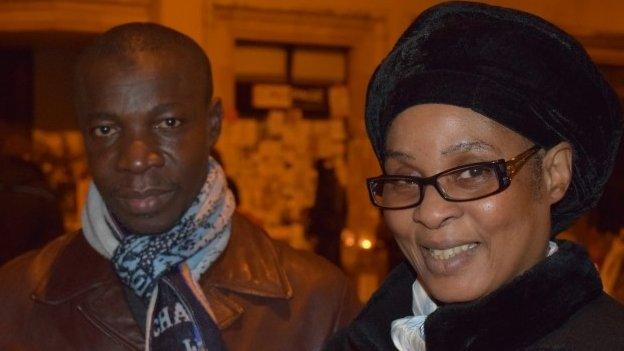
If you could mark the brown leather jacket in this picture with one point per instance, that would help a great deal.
(265, 296)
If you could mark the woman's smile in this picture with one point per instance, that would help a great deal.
(451, 260)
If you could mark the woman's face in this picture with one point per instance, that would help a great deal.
(465, 250)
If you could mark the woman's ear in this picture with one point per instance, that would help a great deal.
(557, 171)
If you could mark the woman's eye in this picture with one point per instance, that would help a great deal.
(401, 185)
(104, 131)
(169, 123)
(472, 173)
(476, 174)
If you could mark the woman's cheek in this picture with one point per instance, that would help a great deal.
(398, 221)
(411, 251)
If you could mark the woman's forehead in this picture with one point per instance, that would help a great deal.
(446, 130)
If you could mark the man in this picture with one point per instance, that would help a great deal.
(162, 262)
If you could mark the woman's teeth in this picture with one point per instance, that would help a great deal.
(448, 253)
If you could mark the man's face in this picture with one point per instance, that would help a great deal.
(148, 132)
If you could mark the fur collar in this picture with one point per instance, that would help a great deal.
(521, 312)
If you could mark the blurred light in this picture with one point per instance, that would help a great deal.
(349, 241)
(348, 238)
(366, 244)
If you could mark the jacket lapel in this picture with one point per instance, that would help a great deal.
(85, 280)
(250, 265)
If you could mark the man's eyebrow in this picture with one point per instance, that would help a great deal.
(465, 146)
(163, 108)
(100, 116)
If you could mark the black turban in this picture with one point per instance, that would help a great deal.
(514, 68)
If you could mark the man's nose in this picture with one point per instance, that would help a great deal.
(434, 211)
(139, 155)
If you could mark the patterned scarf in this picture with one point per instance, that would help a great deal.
(408, 333)
(163, 269)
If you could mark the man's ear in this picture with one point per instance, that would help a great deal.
(557, 170)
(214, 116)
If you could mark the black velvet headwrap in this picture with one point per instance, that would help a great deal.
(514, 68)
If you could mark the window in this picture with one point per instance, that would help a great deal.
(281, 76)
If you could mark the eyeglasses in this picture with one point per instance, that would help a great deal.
(463, 183)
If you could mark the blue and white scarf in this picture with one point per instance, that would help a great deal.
(408, 333)
(172, 261)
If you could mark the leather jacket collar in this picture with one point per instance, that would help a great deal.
(250, 265)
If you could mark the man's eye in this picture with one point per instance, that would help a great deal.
(169, 123)
(104, 131)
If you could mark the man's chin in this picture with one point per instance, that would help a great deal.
(145, 224)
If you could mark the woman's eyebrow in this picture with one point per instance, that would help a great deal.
(398, 154)
(465, 146)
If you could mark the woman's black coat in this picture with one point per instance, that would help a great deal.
(556, 305)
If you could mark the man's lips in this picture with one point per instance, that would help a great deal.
(144, 201)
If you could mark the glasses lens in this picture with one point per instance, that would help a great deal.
(471, 182)
(394, 193)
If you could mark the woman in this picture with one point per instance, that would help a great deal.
(494, 131)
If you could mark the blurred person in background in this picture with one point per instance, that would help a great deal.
(608, 223)
(494, 131)
(328, 214)
(30, 214)
(612, 270)
(163, 261)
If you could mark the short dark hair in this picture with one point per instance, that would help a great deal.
(128, 39)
